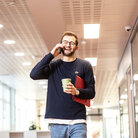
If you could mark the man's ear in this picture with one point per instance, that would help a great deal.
(77, 47)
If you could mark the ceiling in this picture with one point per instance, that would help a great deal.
(37, 26)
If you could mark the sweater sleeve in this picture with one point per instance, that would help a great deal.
(42, 68)
(89, 91)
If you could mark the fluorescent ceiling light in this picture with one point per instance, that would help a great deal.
(83, 42)
(93, 61)
(27, 63)
(9, 42)
(91, 31)
(19, 54)
(135, 77)
(12, 2)
(1, 26)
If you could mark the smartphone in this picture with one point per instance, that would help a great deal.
(60, 50)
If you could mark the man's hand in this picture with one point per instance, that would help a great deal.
(55, 51)
(71, 89)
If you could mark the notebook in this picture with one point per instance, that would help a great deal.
(79, 84)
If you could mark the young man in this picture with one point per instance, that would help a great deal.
(67, 118)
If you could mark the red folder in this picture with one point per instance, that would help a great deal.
(79, 84)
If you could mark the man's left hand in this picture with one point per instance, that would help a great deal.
(70, 89)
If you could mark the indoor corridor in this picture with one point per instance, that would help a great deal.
(29, 29)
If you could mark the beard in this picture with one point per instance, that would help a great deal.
(68, 54)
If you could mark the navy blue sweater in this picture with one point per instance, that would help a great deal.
(59, 104)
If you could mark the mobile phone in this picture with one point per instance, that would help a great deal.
(60, 50)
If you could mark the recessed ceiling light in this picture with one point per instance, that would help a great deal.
(93, 61)
(91, 31)
(12, 2)
(83, 42)
(1, 26)
(19, 54)
(9, 42)
(27, 63)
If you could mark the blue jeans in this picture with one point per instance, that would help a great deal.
(68, 131)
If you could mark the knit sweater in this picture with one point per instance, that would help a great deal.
(60, 105)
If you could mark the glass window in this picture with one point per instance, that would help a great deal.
(12, 108)
(135, 77)
(7, 107)
(123, 101)
(6, 116)
(6, 94)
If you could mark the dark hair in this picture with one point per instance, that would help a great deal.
(69, 33)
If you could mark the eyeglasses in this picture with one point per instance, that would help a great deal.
(65, 42)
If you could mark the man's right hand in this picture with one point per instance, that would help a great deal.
(55, 51)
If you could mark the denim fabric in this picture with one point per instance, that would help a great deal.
(68, 131)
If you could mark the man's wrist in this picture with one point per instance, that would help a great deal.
(77, 92)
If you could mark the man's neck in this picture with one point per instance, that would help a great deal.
(68, 58)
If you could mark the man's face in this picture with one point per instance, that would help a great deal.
(69, 45)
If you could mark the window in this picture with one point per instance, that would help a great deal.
(6, 106)
(135, 77)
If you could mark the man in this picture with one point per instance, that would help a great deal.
(67, 118)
